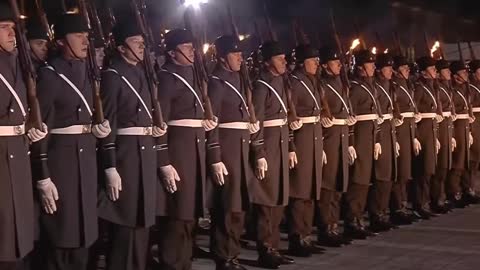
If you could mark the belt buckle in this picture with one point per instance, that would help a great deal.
(18, 130)
(317, 118)
(147, 131)
(285, 120)
(86, 129)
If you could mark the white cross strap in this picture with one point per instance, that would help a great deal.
(474, 87)
(340, 97)
(368, 91)
(463, 97)
(74, 87)
(235, 90)
(276, 94)
(308, 89)
(133, 90)
(188, 86)
(386, 94)
(408, 94)
(14, 94)
(431, 95)
(446, 93)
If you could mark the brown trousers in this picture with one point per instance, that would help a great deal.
(128, 249)
(379, 197)
(300, 217)
(175, 244)
(356, 201)
(225, 235)
(328, 208)
(437, 187)
(268, 221)
(421, 189)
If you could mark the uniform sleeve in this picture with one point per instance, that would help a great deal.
(378, 129)
(259, 98)
(109, 90)
(166, 94)
(354, 102)
(215, 94)
(294, 102)
(47, 84)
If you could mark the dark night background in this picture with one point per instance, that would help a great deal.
(446, 20)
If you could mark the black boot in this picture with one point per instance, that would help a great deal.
(298, 247)
(378, 224)
(268, 259)
(439, 208)
(458, 200)
(231, 264)
(471, 198)
(282, 259)
(401, 217)
(356, 230)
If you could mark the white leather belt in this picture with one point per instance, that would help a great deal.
(476, 109)
(193, 123)
(72, 130)
(310, 119)
(428, 115)
(12, 130)
(366, 117)
(339, 122)
(446, 114)
(135, 131)
(388, 116)
(463, 116)
(274, 123)
(408, 114)
(234, 125)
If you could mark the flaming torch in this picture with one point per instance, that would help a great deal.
(374, 50)
(434, 48)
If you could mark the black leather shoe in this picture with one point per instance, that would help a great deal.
(268, 260)
(282, 259)
(440, 209)
(423, 214)
(379, 226)
(314, 249)
(355, 232)
(199, 253)
(400, 218)
(328, 239)
(298, 247)
(471, 198)
(229, 265)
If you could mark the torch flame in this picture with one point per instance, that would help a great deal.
(386, 50)
(374, 50)
(206, 46)
(243, 37)
(355, 43)
(435, 47)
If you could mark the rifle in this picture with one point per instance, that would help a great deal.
(43, 19)
(139, 7)
(359, 36)
(344, 72)
(397, 42)
(472, 51)
(28, 70)
(245, 82)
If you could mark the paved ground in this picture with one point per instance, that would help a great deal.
(450, 242)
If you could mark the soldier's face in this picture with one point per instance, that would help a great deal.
(39, 48)
(369, 69)
(334, 67)
(463, 74)
(446, 74)
(184, 54)
(99, 56)
(311, 65)
(431, 72)
(76, 45)
(387, 72)
(404, 71)
(7, 36)
(477, 74)
(134, 48)
(234, 60)
(278, 64)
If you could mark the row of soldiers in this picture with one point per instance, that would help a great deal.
(352, 146)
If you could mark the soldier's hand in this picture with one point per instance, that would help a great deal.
(454, 144)
(262, 168)
(292, 160)
(352, 155)
(159, 131)
(326, 122)
(114, 183)
(417, 147)
(210, 124)
(48, 195)
(351, 120)
(377, 151)
(101, 130)
(454, 117)
(254, 127)
(417, 117)
(296, 125)
(471, 119)
(324, 158)
(36, 135)
(218, 172)
(380, 120)
(470, 139)
(437, 146)
(397, 122)
(170, 177)
(397, 149)
(439, 118)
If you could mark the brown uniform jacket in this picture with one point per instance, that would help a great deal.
(475, 126)
(461, 131)
(445, 128)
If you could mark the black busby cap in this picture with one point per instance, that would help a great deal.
(177, 37)
(35, 30)
(384, 60)
(363, 57)
(399, 61)
(457, 66)
(305, 51)
(123, 30)
(70, 23)
(227, 44)
(6, 12)
(328, 54)
(270, 49)
(474, 65)
(424, 62)
(442, 64)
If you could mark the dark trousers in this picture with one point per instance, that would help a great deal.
(399, 196)
(268, 221)
(225, 235)
(18, 265)
(175, 244)
(456, 182)
(437, 186)
(300, 218)
(421, 189)
(356, 201)
(66, 258)
(379, 197)
(328, 208)
(472, 176)
(128, 248)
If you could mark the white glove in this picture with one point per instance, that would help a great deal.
(437, 146)
(210, 124)
(470, 139)
(397, 149)
(439, 118)
(292, 160)
(351, 120)
(454, 144)
(36, 135)
(295, 125)
(454, 117)
(48, 195)
(324, 158)
(101, 130)
(377, 151)
(352, 155)
(417, 117)
(262, 167)
(218, 171)
(254, 127)
(170, 177)
(114, 183)
(326, 122)
(417, 147)
(159, 131)
(397, 122)
(380, 120)
(471, 119)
